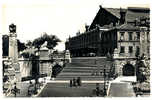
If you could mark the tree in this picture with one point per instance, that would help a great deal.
(38, 42)
(52, 41)
(5, 40)
(29, 44)
(21, 46)
(142, 68)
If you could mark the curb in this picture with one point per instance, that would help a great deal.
(39, 91)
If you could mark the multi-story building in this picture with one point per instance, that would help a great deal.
(124, 29)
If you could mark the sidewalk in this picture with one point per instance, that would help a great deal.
(125, 79)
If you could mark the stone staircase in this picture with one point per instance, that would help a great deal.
(88, 68)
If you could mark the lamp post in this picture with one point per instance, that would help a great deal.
(104, 86)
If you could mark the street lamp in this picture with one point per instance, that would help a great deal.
(104, 87)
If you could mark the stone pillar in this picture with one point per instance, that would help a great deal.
(13, 54)
(67, 56)
(13, 51)
(143, 41)
(115, 56)
(13, 48)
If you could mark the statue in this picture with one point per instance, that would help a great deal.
(12, 28)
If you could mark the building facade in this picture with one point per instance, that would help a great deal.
(122, 33)
(113, 28)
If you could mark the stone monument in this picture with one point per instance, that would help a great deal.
(13, 55)
(13, 50)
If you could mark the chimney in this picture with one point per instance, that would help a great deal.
(100, 6)
(86, 27)
(122, 16)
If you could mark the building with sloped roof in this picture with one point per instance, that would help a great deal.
(123, 34)
(108, 27)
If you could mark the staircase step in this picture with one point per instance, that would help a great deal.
(84, 67)
(81, 67)
(75, 71)
(71, 73)
(82, 78)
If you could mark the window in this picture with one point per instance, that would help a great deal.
(130, 49)
(138, 35)
(137, 51)
(122, 35)
(148, 36)
(122, 49)
(148, 50)
(130, 35)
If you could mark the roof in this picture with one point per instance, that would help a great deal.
(128, 27)
(114, 11)
(134, 13)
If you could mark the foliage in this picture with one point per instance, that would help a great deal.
(5, 78)
(28, 55)
(52, 41)
(56, 52)
(56, 70)
(5, 40)
(21, 46)
(142, 69)
(29, 43)
(38, 42)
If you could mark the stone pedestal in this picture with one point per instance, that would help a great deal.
(67, 56)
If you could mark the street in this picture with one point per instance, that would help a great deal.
(63, 90)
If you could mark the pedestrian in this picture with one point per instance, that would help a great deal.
(79, 81)
(97, 89)
(71, 83)
(74, 82)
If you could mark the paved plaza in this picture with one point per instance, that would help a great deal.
(61, 88)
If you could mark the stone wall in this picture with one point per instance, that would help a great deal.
(45, 67)
(25, 68)
(121, 62)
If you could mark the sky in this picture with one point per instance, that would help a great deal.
(58, 17)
